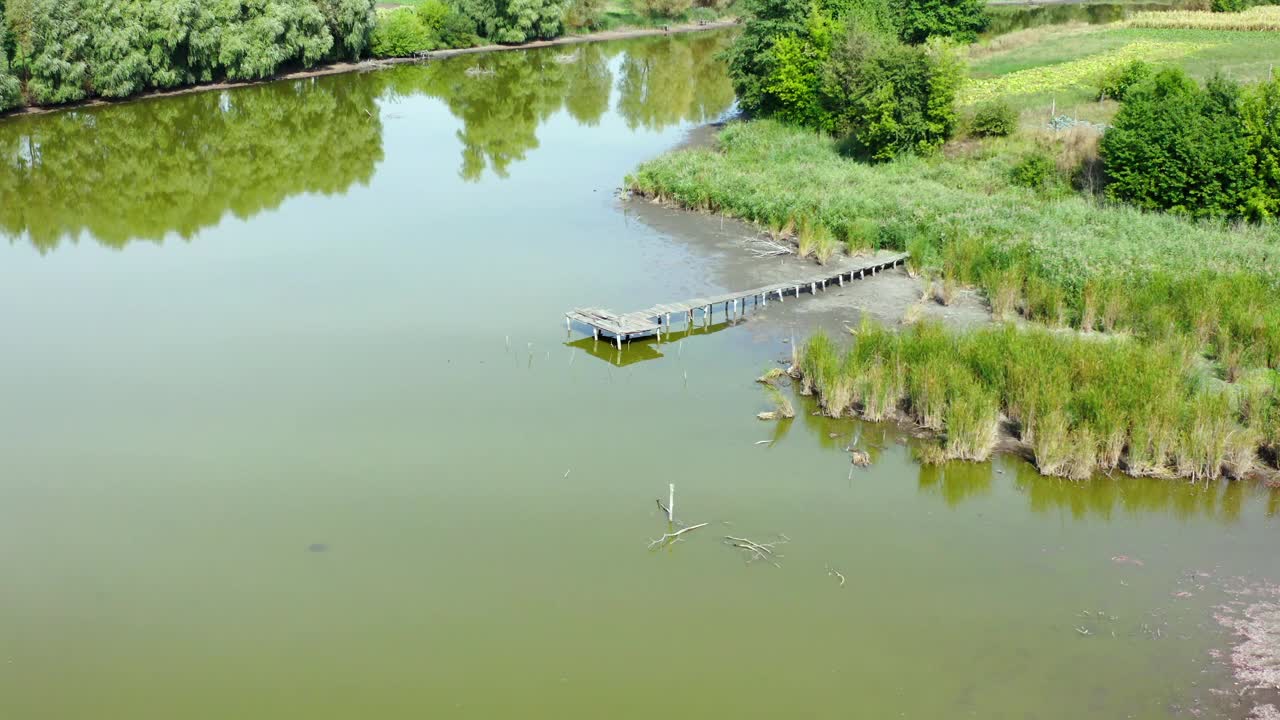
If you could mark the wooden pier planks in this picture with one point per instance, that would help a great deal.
(651, 321)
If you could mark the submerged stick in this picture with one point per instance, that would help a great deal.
(671, 503)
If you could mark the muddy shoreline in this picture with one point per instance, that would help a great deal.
(894, 298)
(373, 64)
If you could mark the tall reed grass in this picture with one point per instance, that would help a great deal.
(1081, 404)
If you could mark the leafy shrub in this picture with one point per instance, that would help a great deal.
(1034, 171)
(583, 15)
(400, 33)
(994, 118)
(960, 20)
(1174, 146)
(451, 28)
(892, 99)
(1117, 80)
(1228, 6)
(703, 14)
(663, 8)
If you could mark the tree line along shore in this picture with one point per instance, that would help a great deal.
(54, 52)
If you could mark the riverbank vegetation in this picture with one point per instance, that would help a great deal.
(61, 51)
(1142, 241)
(1077, 403)
(66, 50)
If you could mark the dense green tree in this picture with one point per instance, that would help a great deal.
(10, 88)
(763, 74)
(61, 47)
(351, 24)
(260, 36)
(891, 98)
(1175, 146)
(71, 49)
(515, 21)
(751, 58)
(960, 20)
(1260, 113)
(19, 17)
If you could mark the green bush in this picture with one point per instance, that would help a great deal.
(1225, 6)
(451, 27)
(993, 119)
(667, 9)
(1035, 171)
(584, 15)
(1175, 146)
(1116, 81)
(960, 20)
(401, 33)
(892, 99)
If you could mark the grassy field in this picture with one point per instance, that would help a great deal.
(776, 175)
(1033, 69)
(1256, 19)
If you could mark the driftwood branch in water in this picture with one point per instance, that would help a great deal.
(759, 551)
(672, 536)
(836, 573)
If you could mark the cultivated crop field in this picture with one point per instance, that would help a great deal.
(1062, 65)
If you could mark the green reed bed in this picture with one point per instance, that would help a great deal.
(1080, 404)
(1052, 255)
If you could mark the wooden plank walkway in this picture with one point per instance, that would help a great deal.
(657, 319)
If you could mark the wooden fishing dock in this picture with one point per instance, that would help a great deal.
(657, 319)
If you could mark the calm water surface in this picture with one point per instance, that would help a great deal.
(291, 429)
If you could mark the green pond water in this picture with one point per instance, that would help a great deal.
(292, 429)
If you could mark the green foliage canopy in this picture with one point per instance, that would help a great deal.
(960, 20)
(1203, 152)
(68, 50)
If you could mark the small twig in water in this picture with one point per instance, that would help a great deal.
(762, 442)
(836, 573)
(566, 472)
(672, 536)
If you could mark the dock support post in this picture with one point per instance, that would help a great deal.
(595, 333)
(840, 277)
(567, 328)
(618, 339)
